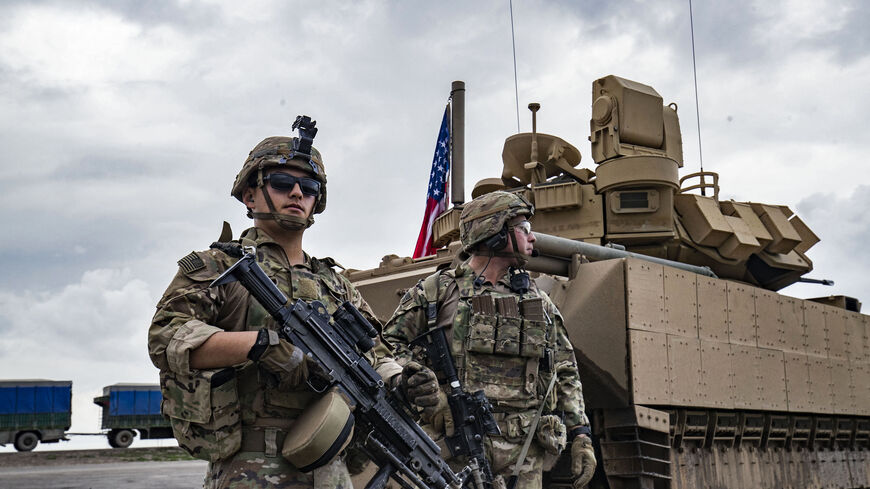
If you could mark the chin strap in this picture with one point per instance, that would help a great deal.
(291, 223)
(521, 258)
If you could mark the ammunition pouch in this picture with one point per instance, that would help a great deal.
(514, 426)
(204, 412)
(320, 433)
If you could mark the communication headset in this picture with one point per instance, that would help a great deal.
(497, 241)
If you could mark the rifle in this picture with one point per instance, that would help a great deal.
(396, 444)
(472, 413)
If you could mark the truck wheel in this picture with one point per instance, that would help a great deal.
(121, 438)
(26, 441)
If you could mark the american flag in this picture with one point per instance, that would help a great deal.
(436, 197)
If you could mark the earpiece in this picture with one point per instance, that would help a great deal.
(498, 241)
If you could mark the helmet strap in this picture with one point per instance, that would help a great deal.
(521, 258)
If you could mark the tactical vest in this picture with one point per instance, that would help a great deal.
(263, 405)
(502, 343)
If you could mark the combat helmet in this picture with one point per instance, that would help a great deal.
(285, 152)
(484, 220)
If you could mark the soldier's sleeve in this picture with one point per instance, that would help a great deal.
(569, 390)
(185, 315)
(408, 322)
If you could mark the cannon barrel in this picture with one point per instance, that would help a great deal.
(555, 256)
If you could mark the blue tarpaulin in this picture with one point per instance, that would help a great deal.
(37, 397)
(134, 402)
(7, 400)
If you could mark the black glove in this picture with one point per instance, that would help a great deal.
(280, 358)
(421, 388)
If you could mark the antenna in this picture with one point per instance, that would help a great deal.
(697, 106)
(516, 85)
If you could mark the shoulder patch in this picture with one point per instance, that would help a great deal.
(191, 263)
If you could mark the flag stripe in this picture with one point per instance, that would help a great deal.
(436, 197)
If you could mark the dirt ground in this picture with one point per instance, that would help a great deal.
(109, 455)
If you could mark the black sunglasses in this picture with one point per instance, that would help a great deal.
(284, 182)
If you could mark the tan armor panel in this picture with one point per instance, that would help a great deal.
(866, 321)
(843, 387)
(684, 369)
(866, 326)
(558, 196)
(741, 314)
(771, 375)
(820, 384)
(717, 376)
(645, 295)
(808, 237)
(835, 327)
(792, 320)
(712, 309)
(785, 237)
(702, 219)
(593, 308)
(741, 243)
(816, 339)
(744, 211)
(861, 371)
(573, 222)
(746, 376)
(640, 211)
(768, 319)
(855, 334)
(797, 382)
(681, 302)
(649, 367)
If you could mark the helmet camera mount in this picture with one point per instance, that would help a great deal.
(307, 131)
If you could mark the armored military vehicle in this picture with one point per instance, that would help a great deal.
(696, 372)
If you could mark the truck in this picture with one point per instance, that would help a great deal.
(697, 371)
(33, 411)
(131, 408)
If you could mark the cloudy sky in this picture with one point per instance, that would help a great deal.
(123, 124)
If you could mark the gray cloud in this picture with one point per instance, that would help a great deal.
(123, 124)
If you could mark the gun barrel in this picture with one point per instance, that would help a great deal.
(555, 256)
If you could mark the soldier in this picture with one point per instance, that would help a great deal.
(507, 339)
(231, 386)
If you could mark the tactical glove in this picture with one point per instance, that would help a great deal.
(280, 358)
(582, 461)
(421, 388)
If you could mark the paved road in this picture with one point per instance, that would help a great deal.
(132, 475)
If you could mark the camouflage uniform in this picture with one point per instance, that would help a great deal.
(501, 355)
(250, 415)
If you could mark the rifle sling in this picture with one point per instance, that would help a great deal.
(532, 427)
